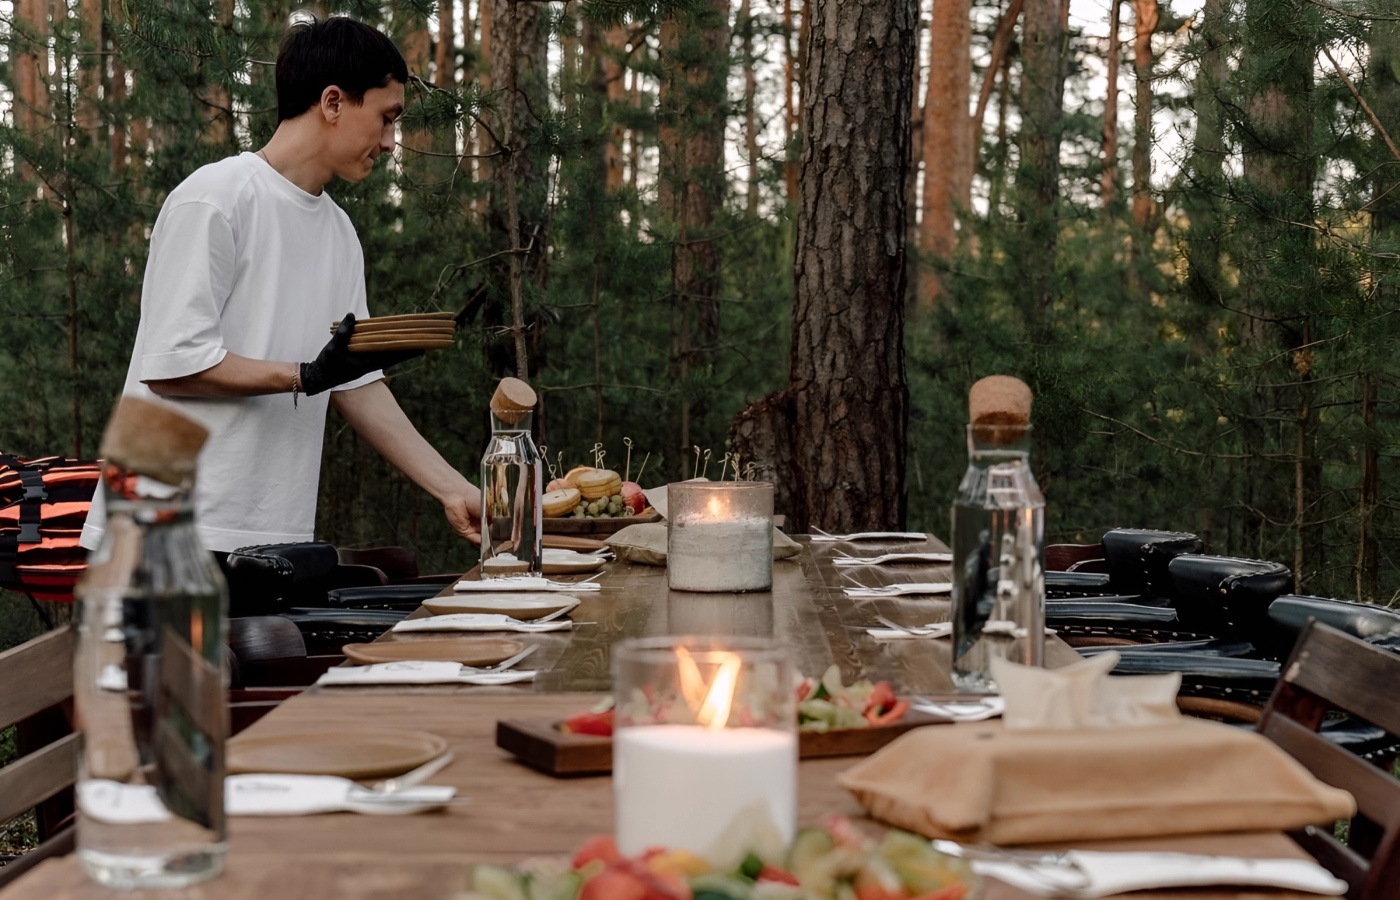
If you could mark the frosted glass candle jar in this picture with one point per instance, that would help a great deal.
(705, 742)
(719, 536)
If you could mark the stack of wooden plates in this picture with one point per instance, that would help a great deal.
(418, 331)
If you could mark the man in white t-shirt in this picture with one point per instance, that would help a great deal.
(250, 262)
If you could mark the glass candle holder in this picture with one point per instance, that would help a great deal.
(704, 745)
(719, 536)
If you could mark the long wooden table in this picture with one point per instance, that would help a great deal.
(509, 812)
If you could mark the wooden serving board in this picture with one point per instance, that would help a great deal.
(540, 744)
(570, 525)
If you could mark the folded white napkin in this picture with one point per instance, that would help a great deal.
(892, 558)
(939, 630)
(1085, 874)
(912, 588)
(479, 622)
(524, 583)
(300, 795)
(419, 671)
(818, 538)
(974, 710)
(1084, 695)
(121, 804)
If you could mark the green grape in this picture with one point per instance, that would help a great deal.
(604, 516)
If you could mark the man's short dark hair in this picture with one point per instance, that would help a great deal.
(339, 51)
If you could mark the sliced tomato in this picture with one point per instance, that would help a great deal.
(804, 690)
(602, 848)
(890, 716)
(880, 699)
(879, 892)
(599, 724)
(770, 872)
(951, 892)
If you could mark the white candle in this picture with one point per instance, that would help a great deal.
(679, 786)
(720, 555)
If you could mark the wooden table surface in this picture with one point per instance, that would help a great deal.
(510, 812)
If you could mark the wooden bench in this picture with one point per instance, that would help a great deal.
(1332, 670)
(38, 700)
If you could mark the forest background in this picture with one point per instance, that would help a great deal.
(1180, 225)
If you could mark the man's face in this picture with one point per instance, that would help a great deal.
(362, 131)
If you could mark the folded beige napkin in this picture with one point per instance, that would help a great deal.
(645, 544)
(985, 782)
(1084, 696)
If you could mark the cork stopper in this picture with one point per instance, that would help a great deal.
(999, 400)
(513, 400)
(153, 439)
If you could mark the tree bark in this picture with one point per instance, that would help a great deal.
(1110, 111)
(1001, 46)
(445, 57)
(745, 24)
(615, 77)
(31, 66)
(1208, 159)
(485, 167)
(835, 439)
(691, 186)
(1042, 101)
(1145, 18)
(946, 144)
(90, 69)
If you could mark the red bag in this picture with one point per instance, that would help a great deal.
(43, 505)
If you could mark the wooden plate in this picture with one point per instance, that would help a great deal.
(521, 606)
(541, 744)
(374, 326)
(407, 317)
(570, 525)
(581, 544)
(467, 651)
(568, 563)
(349, 754)
(414, 344)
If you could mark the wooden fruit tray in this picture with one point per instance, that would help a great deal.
(570, 525)
(540, 744)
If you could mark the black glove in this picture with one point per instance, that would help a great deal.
(337, 365)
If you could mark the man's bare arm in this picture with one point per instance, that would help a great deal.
(233, 376)
(376, 416)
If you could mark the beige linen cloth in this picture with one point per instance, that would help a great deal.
(1081, 756)
(645, 544)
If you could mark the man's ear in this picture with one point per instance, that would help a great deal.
(333, 100)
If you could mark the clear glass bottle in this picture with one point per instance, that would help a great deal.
(150, 684)
(998, 557)
(512, 482)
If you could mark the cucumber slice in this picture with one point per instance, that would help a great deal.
(808, 847)
(564, 886)
(498, 883)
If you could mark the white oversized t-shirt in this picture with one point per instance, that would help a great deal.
(243, 261)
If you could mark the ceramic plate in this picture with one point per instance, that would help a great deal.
(567, 562)
(522, 606)
(349, 754)
(467, 651)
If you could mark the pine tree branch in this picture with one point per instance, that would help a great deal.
(1375, 122)
(1351, 15)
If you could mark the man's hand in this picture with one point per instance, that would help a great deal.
(464, 515)
(337, 364)
(374, 413)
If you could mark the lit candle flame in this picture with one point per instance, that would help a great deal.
(710, 703)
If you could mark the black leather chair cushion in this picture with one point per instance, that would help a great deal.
(1138, 558)
(1227, 597)
(392, 596)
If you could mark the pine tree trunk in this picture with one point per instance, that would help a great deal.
(617, 94)
(1037, 179)
(218, 109)
(31, 66)
(691, 187)
(834, 441)
(1110, 111)
(90, 70)
(1207, 159)
(593, 81)
(945, 136)
(485, 167)
(445, 57)
(1145, 16)
(746, 25)
(1001, 48)
(416, 44)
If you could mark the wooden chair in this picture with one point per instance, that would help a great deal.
(399, 565)
(38, 700)
(1327, 670)
(269, 664)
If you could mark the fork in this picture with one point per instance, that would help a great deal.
(413, 776)
(504, 664)
(917, 631)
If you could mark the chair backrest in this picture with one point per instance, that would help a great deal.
(1075, 558)
(1331, 670)
(38, 676)
(395, 562)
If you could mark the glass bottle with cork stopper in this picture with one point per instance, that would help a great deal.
(998, 539)
(150, 677)
(512, 484)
